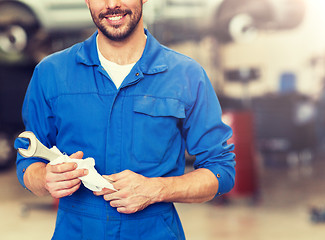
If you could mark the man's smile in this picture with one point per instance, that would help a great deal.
(115, 18)
(118, 22)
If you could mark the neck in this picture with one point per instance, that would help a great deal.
(123, 52)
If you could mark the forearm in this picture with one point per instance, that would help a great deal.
(34, 178)
(200, 185)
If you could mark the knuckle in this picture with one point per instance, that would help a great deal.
(124, 194)
(82, 172)
(106, 197)
(49, 187)
(78, 185)
(131, 210)
(73, 188)
(68, 175)
(126, 172)
(70, 184)
(47, 179)
(57, 168)
(117, 186)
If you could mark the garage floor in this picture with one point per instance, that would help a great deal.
(282, 210)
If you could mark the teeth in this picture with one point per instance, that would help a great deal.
(115, 18)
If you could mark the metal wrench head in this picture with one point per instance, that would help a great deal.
(33, 142)
(36, 148)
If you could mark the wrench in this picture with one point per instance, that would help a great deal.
(36, 148)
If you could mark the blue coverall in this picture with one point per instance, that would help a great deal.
(164, 106)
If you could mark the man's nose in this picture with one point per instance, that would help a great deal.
(113, 4)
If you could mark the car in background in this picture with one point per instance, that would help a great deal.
(26, 26)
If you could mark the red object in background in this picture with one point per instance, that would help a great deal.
(56, 203)
(242, 125)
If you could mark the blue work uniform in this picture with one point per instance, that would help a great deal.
(165, 105)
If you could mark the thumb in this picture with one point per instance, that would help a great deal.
(77, 155)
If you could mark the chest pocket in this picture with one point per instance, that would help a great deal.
(155, 127)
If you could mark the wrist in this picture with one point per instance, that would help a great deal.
(164, 187)
(35, 179)
(160, 190)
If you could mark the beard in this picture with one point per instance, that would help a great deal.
(118, 32)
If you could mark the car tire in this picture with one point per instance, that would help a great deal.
(18, 26)
(240, 23)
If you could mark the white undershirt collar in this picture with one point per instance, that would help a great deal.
(116, 71)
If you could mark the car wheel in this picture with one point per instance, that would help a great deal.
(18, 26)
(13, 42)
(7, 153)
(240, 21)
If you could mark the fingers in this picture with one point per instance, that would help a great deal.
(62, 188)
(63, 179)
(121, 204)
(104, 191)
(62, 167)
(66, 170)
(121, 175)
(77, 155)
(133, 192)
(108, 178)
(112, 177)
(67, 176)
(65, 191)
(117, 203)
(125, 206)
(121, 180)
(63, 185)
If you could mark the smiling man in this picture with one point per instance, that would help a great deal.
(135, 106)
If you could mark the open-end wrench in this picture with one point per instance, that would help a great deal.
(93, 180)
(36, 148)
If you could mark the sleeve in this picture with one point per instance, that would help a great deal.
(38, 118)
(206, 135)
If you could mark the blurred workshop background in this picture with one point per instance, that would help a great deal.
(266, 60)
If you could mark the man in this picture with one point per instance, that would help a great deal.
(134, 106)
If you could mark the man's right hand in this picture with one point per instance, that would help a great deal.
(62, 180)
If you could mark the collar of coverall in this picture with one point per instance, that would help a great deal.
(151, 62)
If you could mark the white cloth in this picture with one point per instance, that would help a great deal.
(93, 180)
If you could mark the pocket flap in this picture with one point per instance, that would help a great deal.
(159, 106)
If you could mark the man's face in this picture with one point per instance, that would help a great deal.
(116, 19)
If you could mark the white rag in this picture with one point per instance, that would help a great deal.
(93, 180)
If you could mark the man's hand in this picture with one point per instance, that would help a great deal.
(134, 191)
(63, 179)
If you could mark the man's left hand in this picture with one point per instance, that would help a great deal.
(134, 191)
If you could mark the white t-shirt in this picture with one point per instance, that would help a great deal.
(116, 71)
